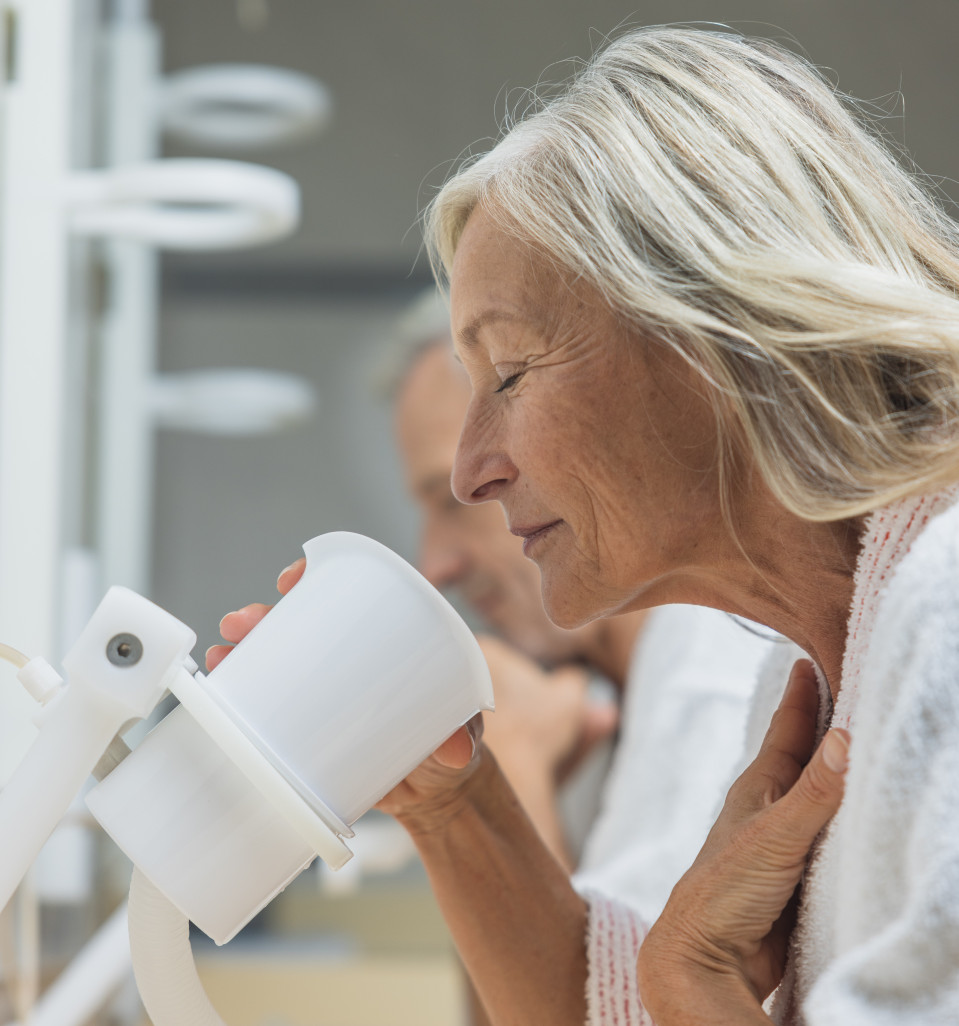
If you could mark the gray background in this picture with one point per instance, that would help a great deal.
(415, 85)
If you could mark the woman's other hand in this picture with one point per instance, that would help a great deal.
(543, 727)
(545, 723)
(429, 793)
(721, 942)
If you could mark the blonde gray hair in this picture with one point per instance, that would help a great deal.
(725, 201)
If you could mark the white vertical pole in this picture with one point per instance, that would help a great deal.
(33, 300)
(80, 583)
(128, 331)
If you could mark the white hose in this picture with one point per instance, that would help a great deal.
(163, 960)
(11, 655)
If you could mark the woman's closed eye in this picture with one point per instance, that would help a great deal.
(509, 381)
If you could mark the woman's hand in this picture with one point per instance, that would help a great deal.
(430, 794)
(235, 626)
(719, 947)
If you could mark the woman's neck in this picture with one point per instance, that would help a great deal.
(803, 588)
(795, 576)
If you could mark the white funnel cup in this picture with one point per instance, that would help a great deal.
(353, 679)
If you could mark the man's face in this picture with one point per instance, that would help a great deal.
(467, 547)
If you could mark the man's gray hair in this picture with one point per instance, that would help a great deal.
(424, 324)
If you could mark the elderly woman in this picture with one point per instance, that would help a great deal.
(712, 332)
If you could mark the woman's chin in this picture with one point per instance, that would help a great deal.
(568, 610)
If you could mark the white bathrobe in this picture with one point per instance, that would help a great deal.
(682, 731)
(877, 941)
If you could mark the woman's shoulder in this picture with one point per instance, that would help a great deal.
(926, 581)
(911, 665)
(886, 895)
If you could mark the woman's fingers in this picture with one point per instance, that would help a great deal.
(216, 654)
(457, 751)
(799, 789)
(729, 917)
(235, 626)
(290, 575)
(815, 797)
(789, 741)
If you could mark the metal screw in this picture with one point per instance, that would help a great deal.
(124, 650)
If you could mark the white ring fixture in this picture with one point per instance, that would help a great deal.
(185, 204)
(240, 107)
(233, 401)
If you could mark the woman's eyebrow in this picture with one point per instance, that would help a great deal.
(469, 336)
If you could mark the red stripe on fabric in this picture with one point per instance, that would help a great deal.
(613, 967)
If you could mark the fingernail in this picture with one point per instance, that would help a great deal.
(219, 626)
(835, 751)
(472, 736)
(286, 570)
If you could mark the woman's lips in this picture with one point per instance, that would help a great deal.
(533, 533)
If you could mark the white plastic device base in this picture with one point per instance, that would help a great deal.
(214, 801)
(198, 829)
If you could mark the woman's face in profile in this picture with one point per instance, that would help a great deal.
(599, 444)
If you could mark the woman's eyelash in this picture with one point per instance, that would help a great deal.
(511, 380)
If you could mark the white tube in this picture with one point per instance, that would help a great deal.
(13, 656)
(163, 960)
(90, 979)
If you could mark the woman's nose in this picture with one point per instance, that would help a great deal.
(482, 468)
